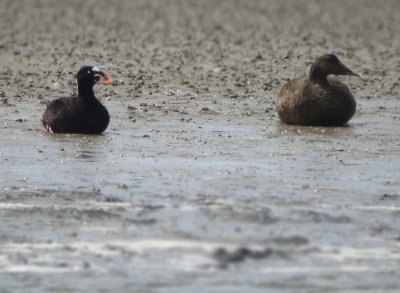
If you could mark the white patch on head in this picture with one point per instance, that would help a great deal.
(95, 69)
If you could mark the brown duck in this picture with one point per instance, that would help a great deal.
(318, 99)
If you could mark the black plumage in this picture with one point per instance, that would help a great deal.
(82, 113)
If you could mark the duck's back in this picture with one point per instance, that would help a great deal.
(303, 102)
(76, 115)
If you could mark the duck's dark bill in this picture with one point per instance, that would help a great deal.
(347, 71)
(352, 73)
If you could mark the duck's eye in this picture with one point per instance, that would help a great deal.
(97, 78)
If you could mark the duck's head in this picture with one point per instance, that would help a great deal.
(91, 75)
(329, 64)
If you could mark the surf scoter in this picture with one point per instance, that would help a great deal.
(82, 113)
(318, 100)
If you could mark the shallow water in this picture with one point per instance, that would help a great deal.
(231, 207)
(196, 186)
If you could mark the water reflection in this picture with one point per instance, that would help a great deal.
(81, 147)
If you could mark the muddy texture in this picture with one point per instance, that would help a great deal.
(196, 186)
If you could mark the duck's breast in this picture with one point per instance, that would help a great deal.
(97, 119)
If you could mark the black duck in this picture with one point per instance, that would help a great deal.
(82, 113)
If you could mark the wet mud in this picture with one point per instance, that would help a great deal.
(196, 186)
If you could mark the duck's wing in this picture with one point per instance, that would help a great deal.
(326, 105)
(63, 114)
(298, 101)
(293, 92)
(292, 86)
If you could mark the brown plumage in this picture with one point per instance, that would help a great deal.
(318, 99)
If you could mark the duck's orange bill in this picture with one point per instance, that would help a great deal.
(106, 80)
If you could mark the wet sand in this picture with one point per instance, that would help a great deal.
(196, 186)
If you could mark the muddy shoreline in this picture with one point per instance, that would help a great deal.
(196, 186)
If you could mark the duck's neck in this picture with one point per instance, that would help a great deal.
(85, 91)
(318, 76)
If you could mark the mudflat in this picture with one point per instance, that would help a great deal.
(196, 186)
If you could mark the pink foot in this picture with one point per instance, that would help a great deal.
(48, 129)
